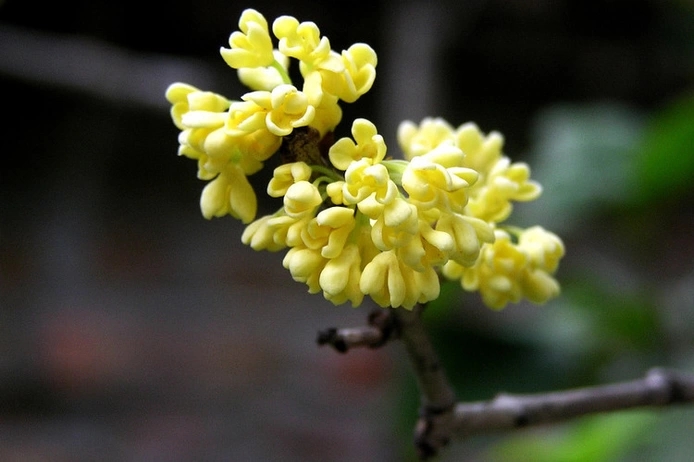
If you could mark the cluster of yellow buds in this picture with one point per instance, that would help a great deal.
(355, 221)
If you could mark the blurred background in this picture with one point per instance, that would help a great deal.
(131, 329)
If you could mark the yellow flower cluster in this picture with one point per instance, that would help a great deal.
(356, 222)
(517, 263)
(231, 139)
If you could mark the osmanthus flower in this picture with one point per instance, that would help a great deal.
(259, 236)
(369, 144)
(305, 265)
(279, 111)
(286, 175)
(507, 271)
(390, 282)
(505, 182)
(366, 179)
(415, 140)
(252, 46)
(355, 222)
(185, 98)
(392, 224)
(329, 230)
(229, 193)
(468, 234)
(481, 151)
(544, 249)
(266, 77)
(201, 117)
(250, 130)
(499, 182)
(328, 115)
(301, 199)
(304, 42)
(341, 276)
(347, 76)
(431, 184)
(357, 75)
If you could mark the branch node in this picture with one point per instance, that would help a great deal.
(433, 429)
(430, 411)
(381, 328)
(330, 337)
(385, 322)
(678, 389)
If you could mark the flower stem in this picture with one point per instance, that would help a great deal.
(282, 71)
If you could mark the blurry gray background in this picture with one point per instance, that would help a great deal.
(133, 329)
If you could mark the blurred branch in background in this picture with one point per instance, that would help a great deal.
(87, 65)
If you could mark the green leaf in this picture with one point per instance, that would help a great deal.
(581, 155)
(665, 164)
(592, 439)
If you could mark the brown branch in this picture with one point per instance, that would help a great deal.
(435, 426)
(380, 329)
(506, 412)
(443, 419)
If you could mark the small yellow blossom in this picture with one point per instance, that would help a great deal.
(259, 145)
(395, 226)
(229, 193)
(301, 199)
(288, 230)
(340, 277)
(450, 238)
(286, 175)
(430, 184)
(313, 88)
(303, 42)
(539, 286)
(491, 198)
(328, 115)
(334, 191)
(358, 74)
(416, 140)
(244, 118)
(399, 212)
(185, 98)
(201, 116)
(438, 245)
(260, 235)
(265, 77)
(364, 178)
(506, 271)
(203, 119)
(498, 272)
(390, 282)
(305, 265)
(285, 108)
(481, 152)
(544, 248)
(369, 144)
(221, 148)
(177, 94)
(330, 230)
(252, 47)
(316, 236)
(382, 279)
(468, 233)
